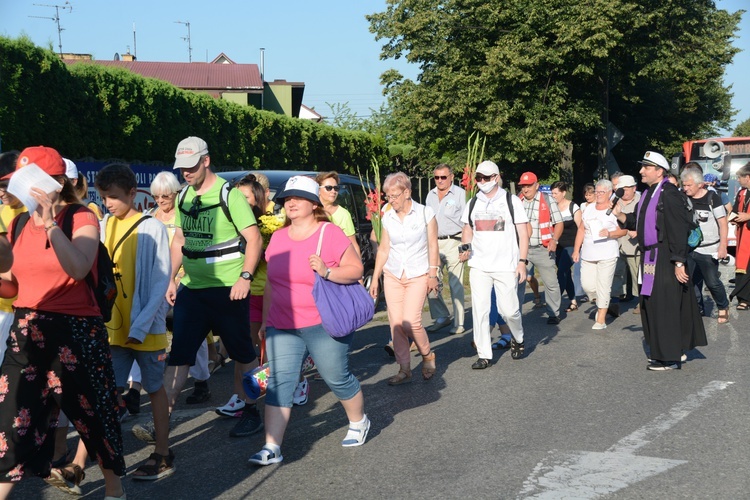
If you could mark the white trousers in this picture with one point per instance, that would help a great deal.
(596, 280)
(506, 286)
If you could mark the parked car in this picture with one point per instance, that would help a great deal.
(351, 197)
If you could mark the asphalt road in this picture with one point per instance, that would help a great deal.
(579, 417)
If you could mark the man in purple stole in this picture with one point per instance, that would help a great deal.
(672, 324)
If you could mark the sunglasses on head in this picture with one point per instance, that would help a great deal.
(331, 188)
(195, 208)
(482, 178)
(440, 177)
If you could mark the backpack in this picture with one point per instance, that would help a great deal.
(224, 204)
(105, 287)
(508, 199)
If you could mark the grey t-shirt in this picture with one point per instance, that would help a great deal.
(708, 209)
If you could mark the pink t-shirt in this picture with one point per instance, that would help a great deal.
(291, 279)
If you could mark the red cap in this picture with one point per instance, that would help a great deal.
(47, 159)
(527, 178)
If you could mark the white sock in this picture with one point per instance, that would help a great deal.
(359, 424)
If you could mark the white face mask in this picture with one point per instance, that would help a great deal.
(486, 187)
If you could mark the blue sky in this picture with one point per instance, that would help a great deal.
(325, 44)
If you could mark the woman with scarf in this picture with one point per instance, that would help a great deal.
(672, 324)
(742, 280)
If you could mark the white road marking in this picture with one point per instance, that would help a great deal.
(586, 475)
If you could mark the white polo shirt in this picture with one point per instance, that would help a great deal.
(494, 247)
(408, 252)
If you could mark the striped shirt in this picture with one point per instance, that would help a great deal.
(532, 212)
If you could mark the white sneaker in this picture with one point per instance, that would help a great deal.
(356, 434)
(233, 408)
(301, 393)
(599, 326)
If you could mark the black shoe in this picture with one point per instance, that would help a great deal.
(517, 350)
(389, 349)
(133, 401)
(626, 298)
(200, 394)
(250, 422)
(480, 364)
(614, 310)
(553, 320)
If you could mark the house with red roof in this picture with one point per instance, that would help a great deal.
(221, 78)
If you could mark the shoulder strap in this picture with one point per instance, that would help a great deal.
(18, 224)
(509, 200)
(67, 225)
(472, 202)
(224, 202)
(320, 238)
(181, 198)
(128, 233)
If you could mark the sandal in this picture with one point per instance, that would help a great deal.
(162, 466)
(402, 377)
(573, 307)
(67, 478)
(214, 365)
(428, 366)
(517, 350)
(723, 316)
(501, 344)
(743, 306)
(538, 304)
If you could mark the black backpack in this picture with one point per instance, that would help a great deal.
(105, 287)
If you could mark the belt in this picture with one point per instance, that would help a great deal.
(456, 236)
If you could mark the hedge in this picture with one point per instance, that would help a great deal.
(87, 110)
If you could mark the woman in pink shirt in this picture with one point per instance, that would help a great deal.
(291, 323)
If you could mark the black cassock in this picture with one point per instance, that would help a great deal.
(672, 323)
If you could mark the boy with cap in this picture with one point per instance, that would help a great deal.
(671, 321)
(218, 272)
(546, 229)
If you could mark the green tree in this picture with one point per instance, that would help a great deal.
(743, 129)
(536, 76)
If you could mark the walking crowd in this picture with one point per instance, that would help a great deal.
(73, 356)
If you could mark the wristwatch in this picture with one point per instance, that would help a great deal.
(525, 261)
(245, 275)
(679, 264)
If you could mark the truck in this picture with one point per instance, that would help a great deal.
(721, 156)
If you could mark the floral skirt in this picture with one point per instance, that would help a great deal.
(56, 362)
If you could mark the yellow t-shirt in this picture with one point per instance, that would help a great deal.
(124, 259)
(7, 214)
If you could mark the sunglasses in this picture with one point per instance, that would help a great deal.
(440, 177)
(163, 196)
(331, 188)
(483, 178)
(195, 208)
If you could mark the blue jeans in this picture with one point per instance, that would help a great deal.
(287, 349)
(565, 271)
(702, 268)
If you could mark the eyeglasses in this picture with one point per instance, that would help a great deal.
(440, 177)
(159, 196)
(332, 188)
(195, 208)
(483, 178)
(391, 197)
(600, 192)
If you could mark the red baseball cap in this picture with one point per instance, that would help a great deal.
(527, 178)
(48, 159)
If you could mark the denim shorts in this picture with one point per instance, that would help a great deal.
(287, 349)
(151, 363)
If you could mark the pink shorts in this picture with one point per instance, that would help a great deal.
(256, 308)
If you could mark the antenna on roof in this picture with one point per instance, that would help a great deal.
(190, 47)
(56, 19)
(135, 50)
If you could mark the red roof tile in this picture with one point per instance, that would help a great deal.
(192, 76)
